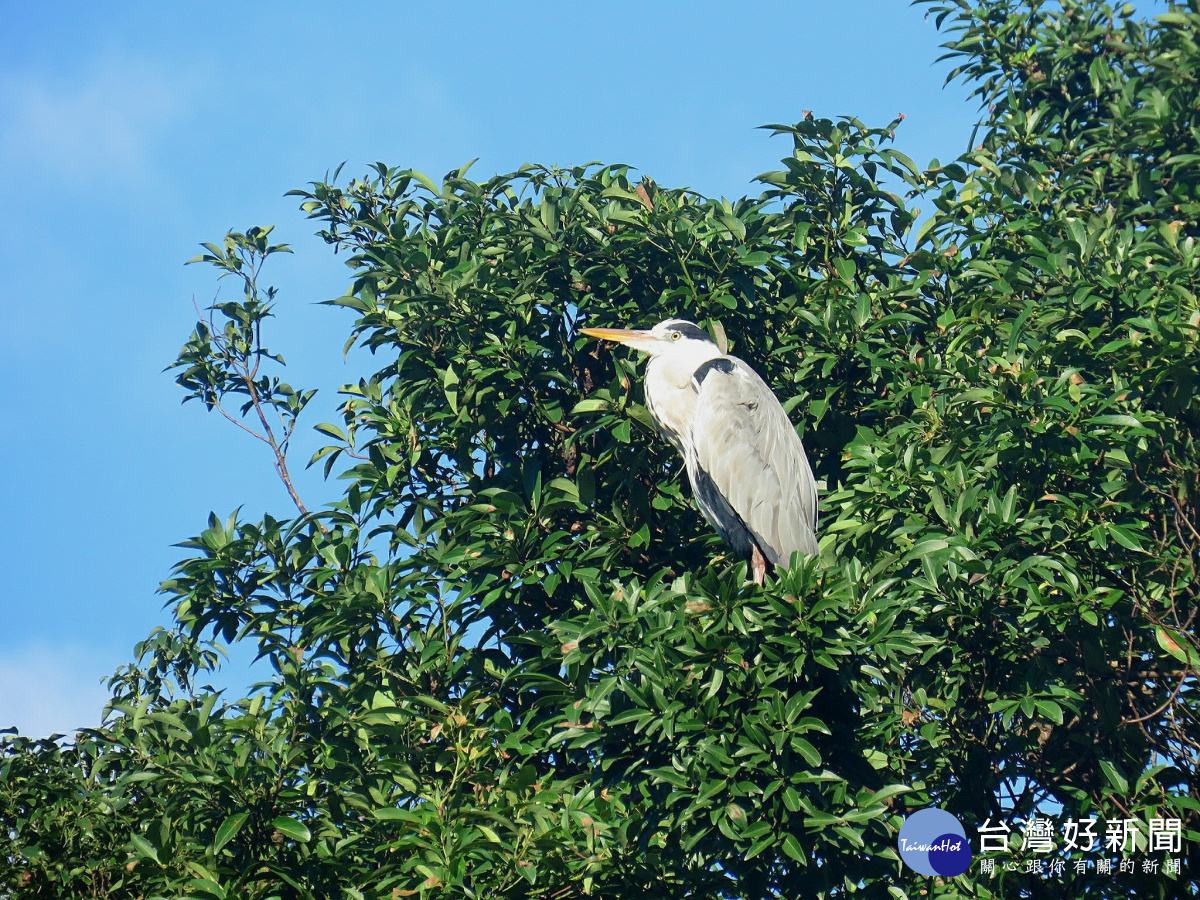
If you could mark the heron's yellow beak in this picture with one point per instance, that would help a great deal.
(628, 336)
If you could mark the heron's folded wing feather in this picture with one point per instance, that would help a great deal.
(746, 445)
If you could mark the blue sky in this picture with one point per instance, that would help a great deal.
(131, 132)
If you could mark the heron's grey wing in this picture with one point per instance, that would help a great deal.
(750, 455)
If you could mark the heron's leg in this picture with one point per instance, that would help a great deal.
(758, 564)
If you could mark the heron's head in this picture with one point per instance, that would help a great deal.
(671, 336)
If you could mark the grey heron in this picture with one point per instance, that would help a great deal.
(748, 469)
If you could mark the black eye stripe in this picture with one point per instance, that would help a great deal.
(690, 331)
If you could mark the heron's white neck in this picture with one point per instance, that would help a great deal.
(668, 384)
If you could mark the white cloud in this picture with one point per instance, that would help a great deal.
(98, 121)
(44, 691)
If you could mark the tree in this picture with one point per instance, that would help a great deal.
(512, 660)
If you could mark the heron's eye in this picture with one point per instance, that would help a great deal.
(675, 335)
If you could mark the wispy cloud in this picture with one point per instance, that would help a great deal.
(46, 691)
(101, 120)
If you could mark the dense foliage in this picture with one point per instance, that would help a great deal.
(512, 660)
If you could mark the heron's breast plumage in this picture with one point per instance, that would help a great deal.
(670, 397)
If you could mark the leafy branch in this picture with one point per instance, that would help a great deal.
(221, 361)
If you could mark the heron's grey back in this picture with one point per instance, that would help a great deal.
(749, 460)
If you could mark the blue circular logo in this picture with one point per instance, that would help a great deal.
(933, 842)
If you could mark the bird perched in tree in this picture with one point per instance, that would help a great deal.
(748, 469)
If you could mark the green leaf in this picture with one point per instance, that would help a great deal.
(793, 849)
(1115, 778)
(332, 430)
(591, 405)
(144, 848)
(1123, 420)
(229, 829)
(807, 750)
(392, 814)
(289, 827)
(1174, 644)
